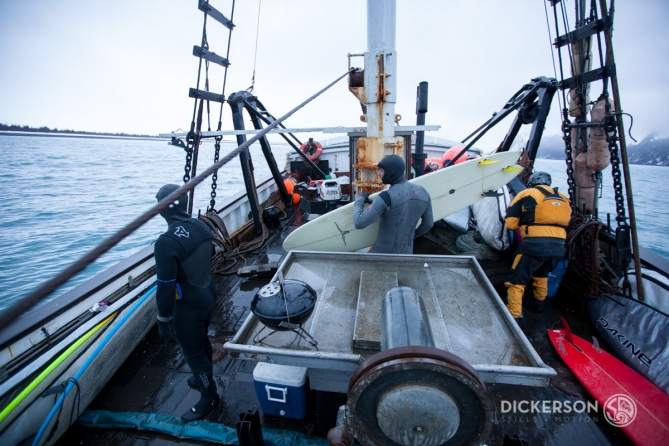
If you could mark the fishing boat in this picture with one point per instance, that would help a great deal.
(451, 368)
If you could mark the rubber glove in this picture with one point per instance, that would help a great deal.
(166, 332)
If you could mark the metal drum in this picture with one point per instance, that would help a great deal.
(412, 393)
(418, 396)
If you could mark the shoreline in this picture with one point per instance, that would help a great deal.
(79, 135)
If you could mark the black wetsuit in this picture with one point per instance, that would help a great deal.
(398, 210)
(186, 291)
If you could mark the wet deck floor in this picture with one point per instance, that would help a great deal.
(153, 379)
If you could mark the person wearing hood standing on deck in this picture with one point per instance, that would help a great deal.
(543, 214)
(186, 295)
(398, 209)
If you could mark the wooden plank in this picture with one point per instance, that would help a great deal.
(210, 56)
(215, 14)
(206, 95)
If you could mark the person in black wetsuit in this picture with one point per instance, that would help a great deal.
(186, 295)
(399, 208)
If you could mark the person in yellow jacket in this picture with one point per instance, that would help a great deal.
(542, 213)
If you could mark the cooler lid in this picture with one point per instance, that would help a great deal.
(286, 375)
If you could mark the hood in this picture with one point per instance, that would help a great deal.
(178, 211)
(394, 167)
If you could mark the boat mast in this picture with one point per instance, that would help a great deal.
(379, 95)
(381, 68)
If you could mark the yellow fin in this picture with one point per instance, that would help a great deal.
(486, 161)
(512, 169)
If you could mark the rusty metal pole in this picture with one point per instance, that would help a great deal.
(380, 94)
(610, 60)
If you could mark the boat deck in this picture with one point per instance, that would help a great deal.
(153, 379)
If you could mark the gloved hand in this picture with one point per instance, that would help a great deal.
(363, 198)
(166, 332)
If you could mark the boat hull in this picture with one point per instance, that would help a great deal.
(102, 367)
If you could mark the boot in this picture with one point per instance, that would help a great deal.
(514, 296)
(193, 383)
(209, 398)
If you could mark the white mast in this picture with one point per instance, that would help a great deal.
(379, 94)
(381, 68)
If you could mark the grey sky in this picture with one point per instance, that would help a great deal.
(126, 66)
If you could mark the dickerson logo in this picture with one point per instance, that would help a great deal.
(619, 410)
(549, 406)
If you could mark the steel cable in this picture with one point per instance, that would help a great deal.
(52, 284)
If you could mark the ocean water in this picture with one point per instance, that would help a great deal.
(651, 203)
(61, 196)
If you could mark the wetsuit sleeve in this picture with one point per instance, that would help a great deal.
(426, 221)
(513, 212)
(365, 217)
(166, 271)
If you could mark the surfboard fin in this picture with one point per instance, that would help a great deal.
(486, 162)
(567, 331)
(512, 169)
(492, 193)
(595, 345)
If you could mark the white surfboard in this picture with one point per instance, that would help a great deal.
(450, 189)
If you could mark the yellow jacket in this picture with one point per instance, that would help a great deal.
(540, 211)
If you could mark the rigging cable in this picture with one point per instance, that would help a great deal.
(255, 55)
(204, 45)
(227, 57)
(217, 144)
(557, 33)
(550, 45)
(48, 287)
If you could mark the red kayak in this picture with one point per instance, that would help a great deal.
(631, 402)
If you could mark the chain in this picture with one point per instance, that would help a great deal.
(584, 255)
(214, 177)
(189, 155)
(610, 126)
(566, 135)
(592, 268)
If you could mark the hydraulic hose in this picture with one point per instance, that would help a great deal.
(46, 372)
(88, 362)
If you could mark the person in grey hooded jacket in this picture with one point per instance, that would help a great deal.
(186, 295)
(399, 208)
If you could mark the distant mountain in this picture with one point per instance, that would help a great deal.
(650, 151)
(551, 148)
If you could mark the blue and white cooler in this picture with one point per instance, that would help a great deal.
(281, 389)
